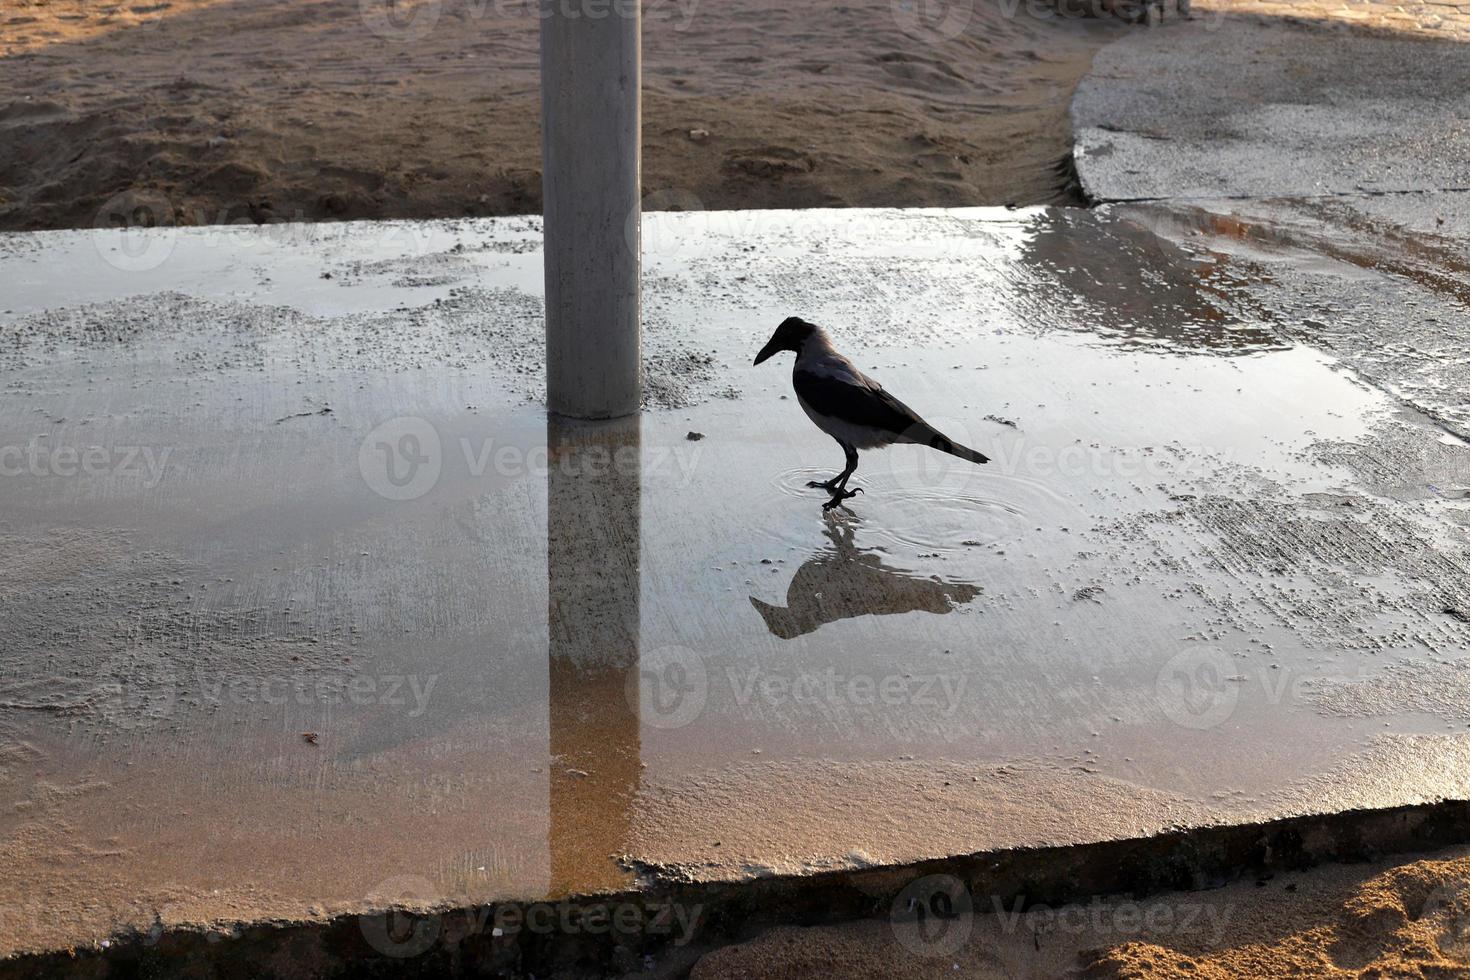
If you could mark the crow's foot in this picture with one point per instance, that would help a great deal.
(829, 485)
(838, 496)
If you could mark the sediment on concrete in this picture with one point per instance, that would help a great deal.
(460, 942)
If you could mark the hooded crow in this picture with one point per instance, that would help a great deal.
(848, 405)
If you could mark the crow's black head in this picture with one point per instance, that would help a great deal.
(790, 335)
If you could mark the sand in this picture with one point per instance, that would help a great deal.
(1442, 19)
(226, 110)
(1388, 919)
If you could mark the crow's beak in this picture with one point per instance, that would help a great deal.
(767, 351)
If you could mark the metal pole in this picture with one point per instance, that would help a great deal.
(591, 66)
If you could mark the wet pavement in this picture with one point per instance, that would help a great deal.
(1232, 106)
(309, 610)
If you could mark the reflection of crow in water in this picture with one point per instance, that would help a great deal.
(845, 582)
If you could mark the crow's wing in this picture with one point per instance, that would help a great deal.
(863, 402)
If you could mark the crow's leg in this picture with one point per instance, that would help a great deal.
(832, 484)
(839, 484)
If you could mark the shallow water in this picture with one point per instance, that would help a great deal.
(521, 649)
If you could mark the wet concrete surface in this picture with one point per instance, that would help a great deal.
(1232, 106)
(309, 611)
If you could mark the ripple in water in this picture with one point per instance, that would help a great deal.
(946, 516)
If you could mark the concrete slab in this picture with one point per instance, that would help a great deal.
(1378, 281)
(308, 611)
(1228, 106)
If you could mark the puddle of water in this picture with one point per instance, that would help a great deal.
(1123, 280)
(1379, 281)
(425, 635)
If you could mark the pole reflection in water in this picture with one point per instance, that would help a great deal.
(592, 558)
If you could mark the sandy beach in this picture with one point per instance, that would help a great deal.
(223, 110)
(214, 111)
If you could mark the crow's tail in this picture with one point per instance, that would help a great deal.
(940, 442)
